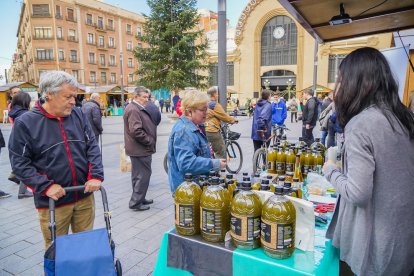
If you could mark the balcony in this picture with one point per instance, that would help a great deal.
(129, 49)
(43, 38)
(72, 38)
(58, 16)
(111, 46)
(44, 59)
(100, 28)
(89, 23)
(110, 28)
(42, 15)
(60, 38)
(101, 46)
(91, 43)
(112, 64)
(128, 32)
(102, 66)
(71, 19)
(74, 60)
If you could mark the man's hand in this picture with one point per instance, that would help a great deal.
(307, 126)
(92, 185)
(55, 192)
(223, 163)
(328, 164)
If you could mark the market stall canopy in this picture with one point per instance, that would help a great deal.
(319, 89)
(25, 86)
(368, 17)
(106, 89)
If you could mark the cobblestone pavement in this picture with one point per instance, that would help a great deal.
(137, 234)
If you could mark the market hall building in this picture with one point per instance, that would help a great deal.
(269, 48)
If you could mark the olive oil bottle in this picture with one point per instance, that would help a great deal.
(278, 226)
(214, 212)
(298, 170)
(318, 161)
(256, 182)
(271, 160)
(231, 184)
(280, 162)
(246, 209)
(308, 163)
(317, 145)
(290, 161)
(187, 207)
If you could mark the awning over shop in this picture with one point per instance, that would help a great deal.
(319, 89)
(368, 17)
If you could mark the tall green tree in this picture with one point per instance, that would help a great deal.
(176, 52)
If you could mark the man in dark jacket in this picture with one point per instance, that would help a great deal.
(153, 110)
(53, 147)
(92, 110)
(309, 116)
(140, 133)
(262, 120)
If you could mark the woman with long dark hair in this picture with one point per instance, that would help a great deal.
(20, 104)
(373, 221)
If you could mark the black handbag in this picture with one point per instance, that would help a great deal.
(2, 142)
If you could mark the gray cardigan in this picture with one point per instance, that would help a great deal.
(373, 224)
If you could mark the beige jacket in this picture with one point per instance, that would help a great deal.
(216, 115)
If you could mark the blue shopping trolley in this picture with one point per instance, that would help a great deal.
(84, 253)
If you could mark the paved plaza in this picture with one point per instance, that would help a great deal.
(137, 234)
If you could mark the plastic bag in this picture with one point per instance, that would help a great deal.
(317, 184)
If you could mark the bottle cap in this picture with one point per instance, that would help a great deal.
(212, 173)
(269, 177)
(257, 175)
(188, 176)
(317, 140)
(214, 180)
(246, 178)
(281, 178)
(245, 174)
(295, 179)
(278, 190)
(289, 173)
(265, 181)
(264, 187)
(246, 186)
(221, 180)
(229, 176)
(288, 184)
(223, 171)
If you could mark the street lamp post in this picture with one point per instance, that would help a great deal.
(222, 54)
(267, 84)
(289, 87)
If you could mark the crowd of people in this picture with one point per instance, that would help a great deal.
(372, 222)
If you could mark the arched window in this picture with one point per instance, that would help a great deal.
(279, 42)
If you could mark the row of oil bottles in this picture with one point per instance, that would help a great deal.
(282, 158)
(217, 205)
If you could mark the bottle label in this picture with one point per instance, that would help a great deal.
(211, 221)
(271, 166)
(280, 166)
(290, 167)
(245, 228)
(277, 235)
(184, 215)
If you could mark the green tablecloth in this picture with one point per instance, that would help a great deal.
(323, 261)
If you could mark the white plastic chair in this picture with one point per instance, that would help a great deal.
(5, 116)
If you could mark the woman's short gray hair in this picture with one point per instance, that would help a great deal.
(52, 81)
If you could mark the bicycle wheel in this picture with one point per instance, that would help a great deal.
(260, 160)
(234, 157)
(166, 162)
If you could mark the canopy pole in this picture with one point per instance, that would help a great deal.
(315, 67)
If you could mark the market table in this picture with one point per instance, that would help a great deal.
(180, 255)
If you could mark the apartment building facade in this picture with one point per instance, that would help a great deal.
(87, 39)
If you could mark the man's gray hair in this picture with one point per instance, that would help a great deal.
(52, 81)
(95, 95)
(212, 91)
(139, 90)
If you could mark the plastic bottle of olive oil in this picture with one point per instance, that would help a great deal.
(215, 212)
(278, 226)
(187, 207)
(246, 209)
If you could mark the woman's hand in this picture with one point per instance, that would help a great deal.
(328, 164)
(223, 163)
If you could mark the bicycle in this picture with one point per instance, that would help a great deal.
(233, 151)
(260, 155)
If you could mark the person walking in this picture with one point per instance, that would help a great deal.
(175, 100)
(309, 116)
(53, 147)
(167, 105)
(262, 120)
(92, 110)
(153, 110)
(293, 109)
(324, 127)
(216, 115)
(188, 148)
(372, 223)
(20, 104)
(13, 91)
(140, 134)
(2, 145)
(279, 112)
(162, 104)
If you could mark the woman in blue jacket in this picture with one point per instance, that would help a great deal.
(262, 120)
(188, 148)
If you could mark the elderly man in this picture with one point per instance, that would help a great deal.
(92, 110)
(140, 133)
(53, 147)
